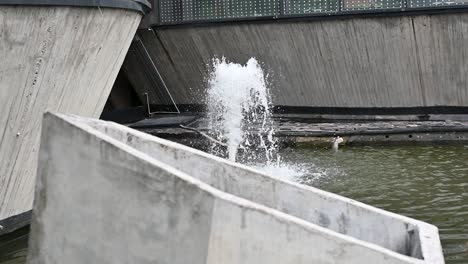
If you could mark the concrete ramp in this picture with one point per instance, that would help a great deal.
(109, 194)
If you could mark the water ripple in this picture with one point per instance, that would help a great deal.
(429, 183)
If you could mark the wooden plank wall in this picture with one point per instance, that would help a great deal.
(59, 59)
(401, 61)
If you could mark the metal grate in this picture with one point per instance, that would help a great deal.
(251, 8)
(203, 9)
(354, 5)
(192, 10)
(171, 11)
(178, 11)
(299, 7)
(435, 3)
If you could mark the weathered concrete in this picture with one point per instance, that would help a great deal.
(52, 59)
(402, 61)
(122, 196)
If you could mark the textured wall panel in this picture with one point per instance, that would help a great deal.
(62, 59)
(361, 62)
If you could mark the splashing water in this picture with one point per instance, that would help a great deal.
(288, 171)
(239, 111)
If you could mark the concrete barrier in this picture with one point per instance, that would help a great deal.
(109, 194)
(376, 65)
(55, 55)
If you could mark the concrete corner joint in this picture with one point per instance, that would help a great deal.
(108, 194)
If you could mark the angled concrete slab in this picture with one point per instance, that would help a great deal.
(109, 194)
(55, 55)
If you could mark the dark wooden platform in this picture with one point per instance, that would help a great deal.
(304, 131)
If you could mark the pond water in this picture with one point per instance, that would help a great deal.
(429, 183)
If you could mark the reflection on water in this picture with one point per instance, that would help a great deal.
(429, 183)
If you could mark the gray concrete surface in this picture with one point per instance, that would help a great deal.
(400, 61)
(51, 59)
(108, 194)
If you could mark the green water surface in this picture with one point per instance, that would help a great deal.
(428, 183)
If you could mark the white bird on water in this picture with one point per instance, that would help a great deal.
(335, 142)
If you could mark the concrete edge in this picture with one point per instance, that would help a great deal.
(142, 6)
(426, 232)
(234, 164)
(15, 222)
(376, 117)
(83, 124)
(427, 235)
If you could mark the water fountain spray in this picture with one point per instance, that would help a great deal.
(239, 110)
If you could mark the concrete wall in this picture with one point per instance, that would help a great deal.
(401, 61)
(343, 215)
(51, 59)
(114, 200)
